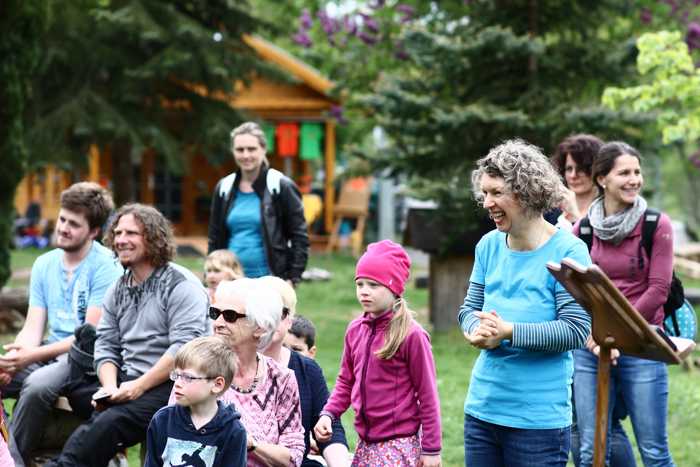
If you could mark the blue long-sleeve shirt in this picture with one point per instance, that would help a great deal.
(525, 382)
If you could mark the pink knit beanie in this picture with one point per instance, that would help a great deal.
(387, 263)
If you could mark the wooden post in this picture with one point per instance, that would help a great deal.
(148, 167)
(449, 279)
(602, 402)
(94, 164)
(329, 183)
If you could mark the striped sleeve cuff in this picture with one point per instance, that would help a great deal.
(567, 332)
(474, 301)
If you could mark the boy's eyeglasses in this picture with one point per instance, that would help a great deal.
(230, 316)
(187, 379)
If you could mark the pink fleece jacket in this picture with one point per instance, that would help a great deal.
(646, 288)
(391, 398)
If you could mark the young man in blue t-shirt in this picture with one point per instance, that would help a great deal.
(66, 290)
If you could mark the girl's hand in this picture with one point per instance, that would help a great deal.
(323, 429)
(430, 461)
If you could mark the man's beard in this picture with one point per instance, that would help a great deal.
(74, 246)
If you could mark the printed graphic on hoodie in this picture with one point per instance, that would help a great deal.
(181, 453)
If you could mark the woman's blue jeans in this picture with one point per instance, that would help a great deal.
(489, 445)
(643, 386)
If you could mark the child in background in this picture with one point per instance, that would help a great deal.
(221, 265)
(387, 370)
(198, 430)
(302, 337)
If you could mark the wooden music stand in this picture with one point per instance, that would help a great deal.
(616, 324)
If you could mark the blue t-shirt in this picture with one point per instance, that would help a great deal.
(66, 303)
(246, 239)
(518, 387)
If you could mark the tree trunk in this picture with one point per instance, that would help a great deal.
(21, 22)
(123, 187)
(449, 278)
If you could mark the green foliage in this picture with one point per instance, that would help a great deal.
(531, 70)
(671, 90)
(670, 94)
(117, 72)
(22, 23)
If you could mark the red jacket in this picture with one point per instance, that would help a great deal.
(392, 398)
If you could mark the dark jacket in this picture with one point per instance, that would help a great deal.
(284, 232)
(313, 394)
(173, 440)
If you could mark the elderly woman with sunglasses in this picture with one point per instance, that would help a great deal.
(246, 314)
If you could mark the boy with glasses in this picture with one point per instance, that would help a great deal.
(198, 430)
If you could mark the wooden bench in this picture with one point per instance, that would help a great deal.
(62, 423)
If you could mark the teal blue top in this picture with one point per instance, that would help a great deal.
(66, 301)
(525, 382)
(246, 240)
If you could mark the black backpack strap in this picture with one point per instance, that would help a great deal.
(651, 221)
(585, 232)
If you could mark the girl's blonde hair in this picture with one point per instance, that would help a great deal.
(224, 261)
(398, 330)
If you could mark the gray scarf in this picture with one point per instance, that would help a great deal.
(618, 226)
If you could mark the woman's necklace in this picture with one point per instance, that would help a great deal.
(254, 384)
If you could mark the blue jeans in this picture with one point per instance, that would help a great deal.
(489, 445)
(643, 386)
(621, 454)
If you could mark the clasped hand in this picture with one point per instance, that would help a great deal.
(492, 329)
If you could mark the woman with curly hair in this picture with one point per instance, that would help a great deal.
(518, 408)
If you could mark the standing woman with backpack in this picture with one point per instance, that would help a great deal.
(257, 212)
(616, 220)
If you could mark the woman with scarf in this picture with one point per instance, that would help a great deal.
(616, 218)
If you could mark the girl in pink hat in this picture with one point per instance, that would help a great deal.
(387, 370)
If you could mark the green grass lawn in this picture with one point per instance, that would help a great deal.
(332, 304)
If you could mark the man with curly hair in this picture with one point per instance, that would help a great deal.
(66, 289)
(155, 308)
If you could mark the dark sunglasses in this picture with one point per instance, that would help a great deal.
(230, 316)
(285, 312)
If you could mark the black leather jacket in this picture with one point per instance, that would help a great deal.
(283, 225)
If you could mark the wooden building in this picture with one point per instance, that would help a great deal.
(184, 198)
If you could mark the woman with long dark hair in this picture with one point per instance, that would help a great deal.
(616, 219)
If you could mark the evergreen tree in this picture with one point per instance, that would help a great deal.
(22, 24)
(499, 70)
(130, 75)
